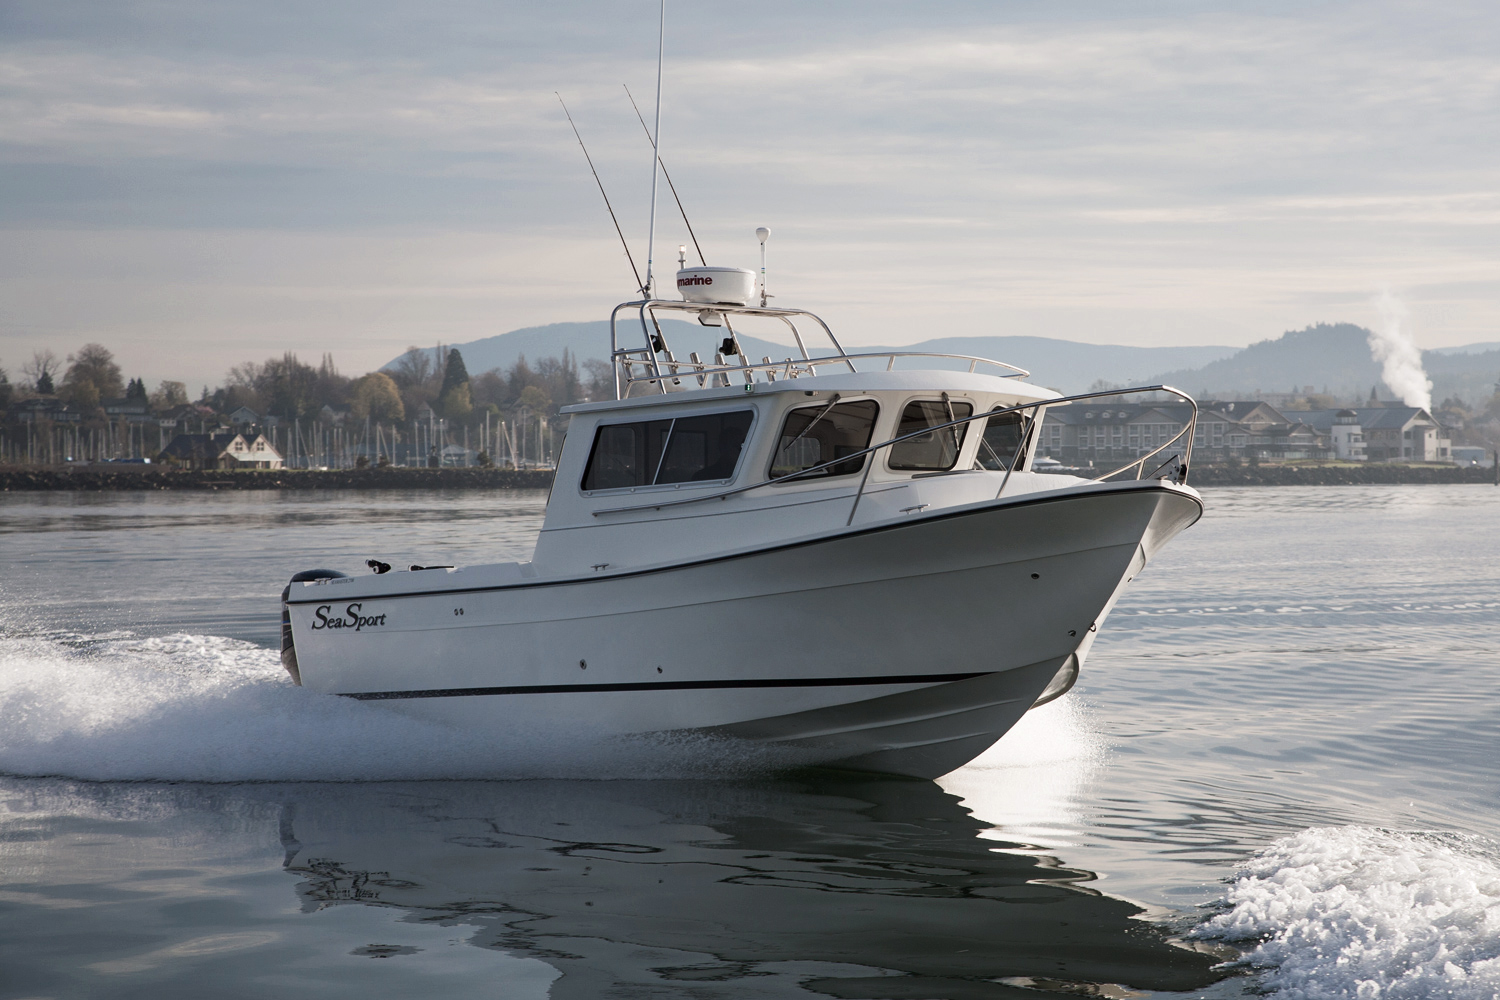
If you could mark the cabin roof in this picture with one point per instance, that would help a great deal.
(846, 382)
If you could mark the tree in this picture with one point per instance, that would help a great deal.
(455, 397)
(487, 389)
(136, 390)
(535, 399)
(601, 379)
(413, 368)
(84, 396)
(41, 370)
(92, 372)
(376, 397)
(456, 404)
(331, 388)
(169, 394)
(286, 387)
(520, 377)
(6, 392)
(455, 373)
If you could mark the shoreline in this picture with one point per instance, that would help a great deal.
(95, 479)
(103, 479)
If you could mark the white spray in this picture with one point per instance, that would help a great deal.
(1400, 360)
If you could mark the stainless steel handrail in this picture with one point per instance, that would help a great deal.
(646, 356)
(1138, 464)
(794, 366)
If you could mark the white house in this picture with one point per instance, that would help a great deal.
(1347, 437)
(221, 451)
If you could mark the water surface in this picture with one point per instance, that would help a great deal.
(1282, 746)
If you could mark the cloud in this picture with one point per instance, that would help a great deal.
(1187, 173)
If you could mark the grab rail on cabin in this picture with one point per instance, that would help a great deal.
(658, 372)
(1139, 464)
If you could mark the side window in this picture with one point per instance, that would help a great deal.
(657, 452)
(813, 435)
(1004, 443)
(935, 451)
(706, 448)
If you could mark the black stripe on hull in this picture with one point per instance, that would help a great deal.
(793, 682)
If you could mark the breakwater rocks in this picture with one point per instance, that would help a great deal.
(1336, 475)
(96, 478)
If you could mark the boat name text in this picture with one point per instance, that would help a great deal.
(351, 618)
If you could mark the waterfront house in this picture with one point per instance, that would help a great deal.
(1390, 433)
(44, 408)
(221, 451)
(1347, 437)
(186, 415)
(129, 409)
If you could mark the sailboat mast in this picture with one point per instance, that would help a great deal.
(661, 41)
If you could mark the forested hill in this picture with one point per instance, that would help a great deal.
(1335, 358)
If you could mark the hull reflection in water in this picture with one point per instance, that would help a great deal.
(861, 888)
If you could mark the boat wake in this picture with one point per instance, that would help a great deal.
(119, 707)
(1367, 913)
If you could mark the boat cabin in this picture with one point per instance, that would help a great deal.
(702, 456)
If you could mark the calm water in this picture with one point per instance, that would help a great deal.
(1285, 749)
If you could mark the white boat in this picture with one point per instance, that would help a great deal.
(827, 553)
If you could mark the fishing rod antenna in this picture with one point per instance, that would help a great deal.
(661, 49)
(694, 236)
(633, 270)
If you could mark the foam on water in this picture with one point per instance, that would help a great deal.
(1368, 913)
(206, 708)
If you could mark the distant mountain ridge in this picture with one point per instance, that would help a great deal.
(1066, 365)
(1335, 356)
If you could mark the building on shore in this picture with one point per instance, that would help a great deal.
(1390, 433)
(221, 451)
(1346, 437)
(40, 409)
(1101, 433)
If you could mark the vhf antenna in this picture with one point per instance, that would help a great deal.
(597, 181)
(668, 176)
(649, 288)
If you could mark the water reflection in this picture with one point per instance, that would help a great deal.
(858, 887)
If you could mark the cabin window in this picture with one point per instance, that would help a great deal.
(694, 449)
(937, 450)
(813, 435)
(1004, 443)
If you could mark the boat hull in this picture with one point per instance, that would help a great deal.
(906, 647)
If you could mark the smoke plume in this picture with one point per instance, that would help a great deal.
(1400, 360)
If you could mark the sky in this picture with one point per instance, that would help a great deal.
(196, 183)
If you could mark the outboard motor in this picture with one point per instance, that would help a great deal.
(288, 649)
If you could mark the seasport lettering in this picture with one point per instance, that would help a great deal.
(351, 618)
(697, 279)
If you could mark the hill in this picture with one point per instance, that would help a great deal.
(1062, 364)
(1335, 356)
